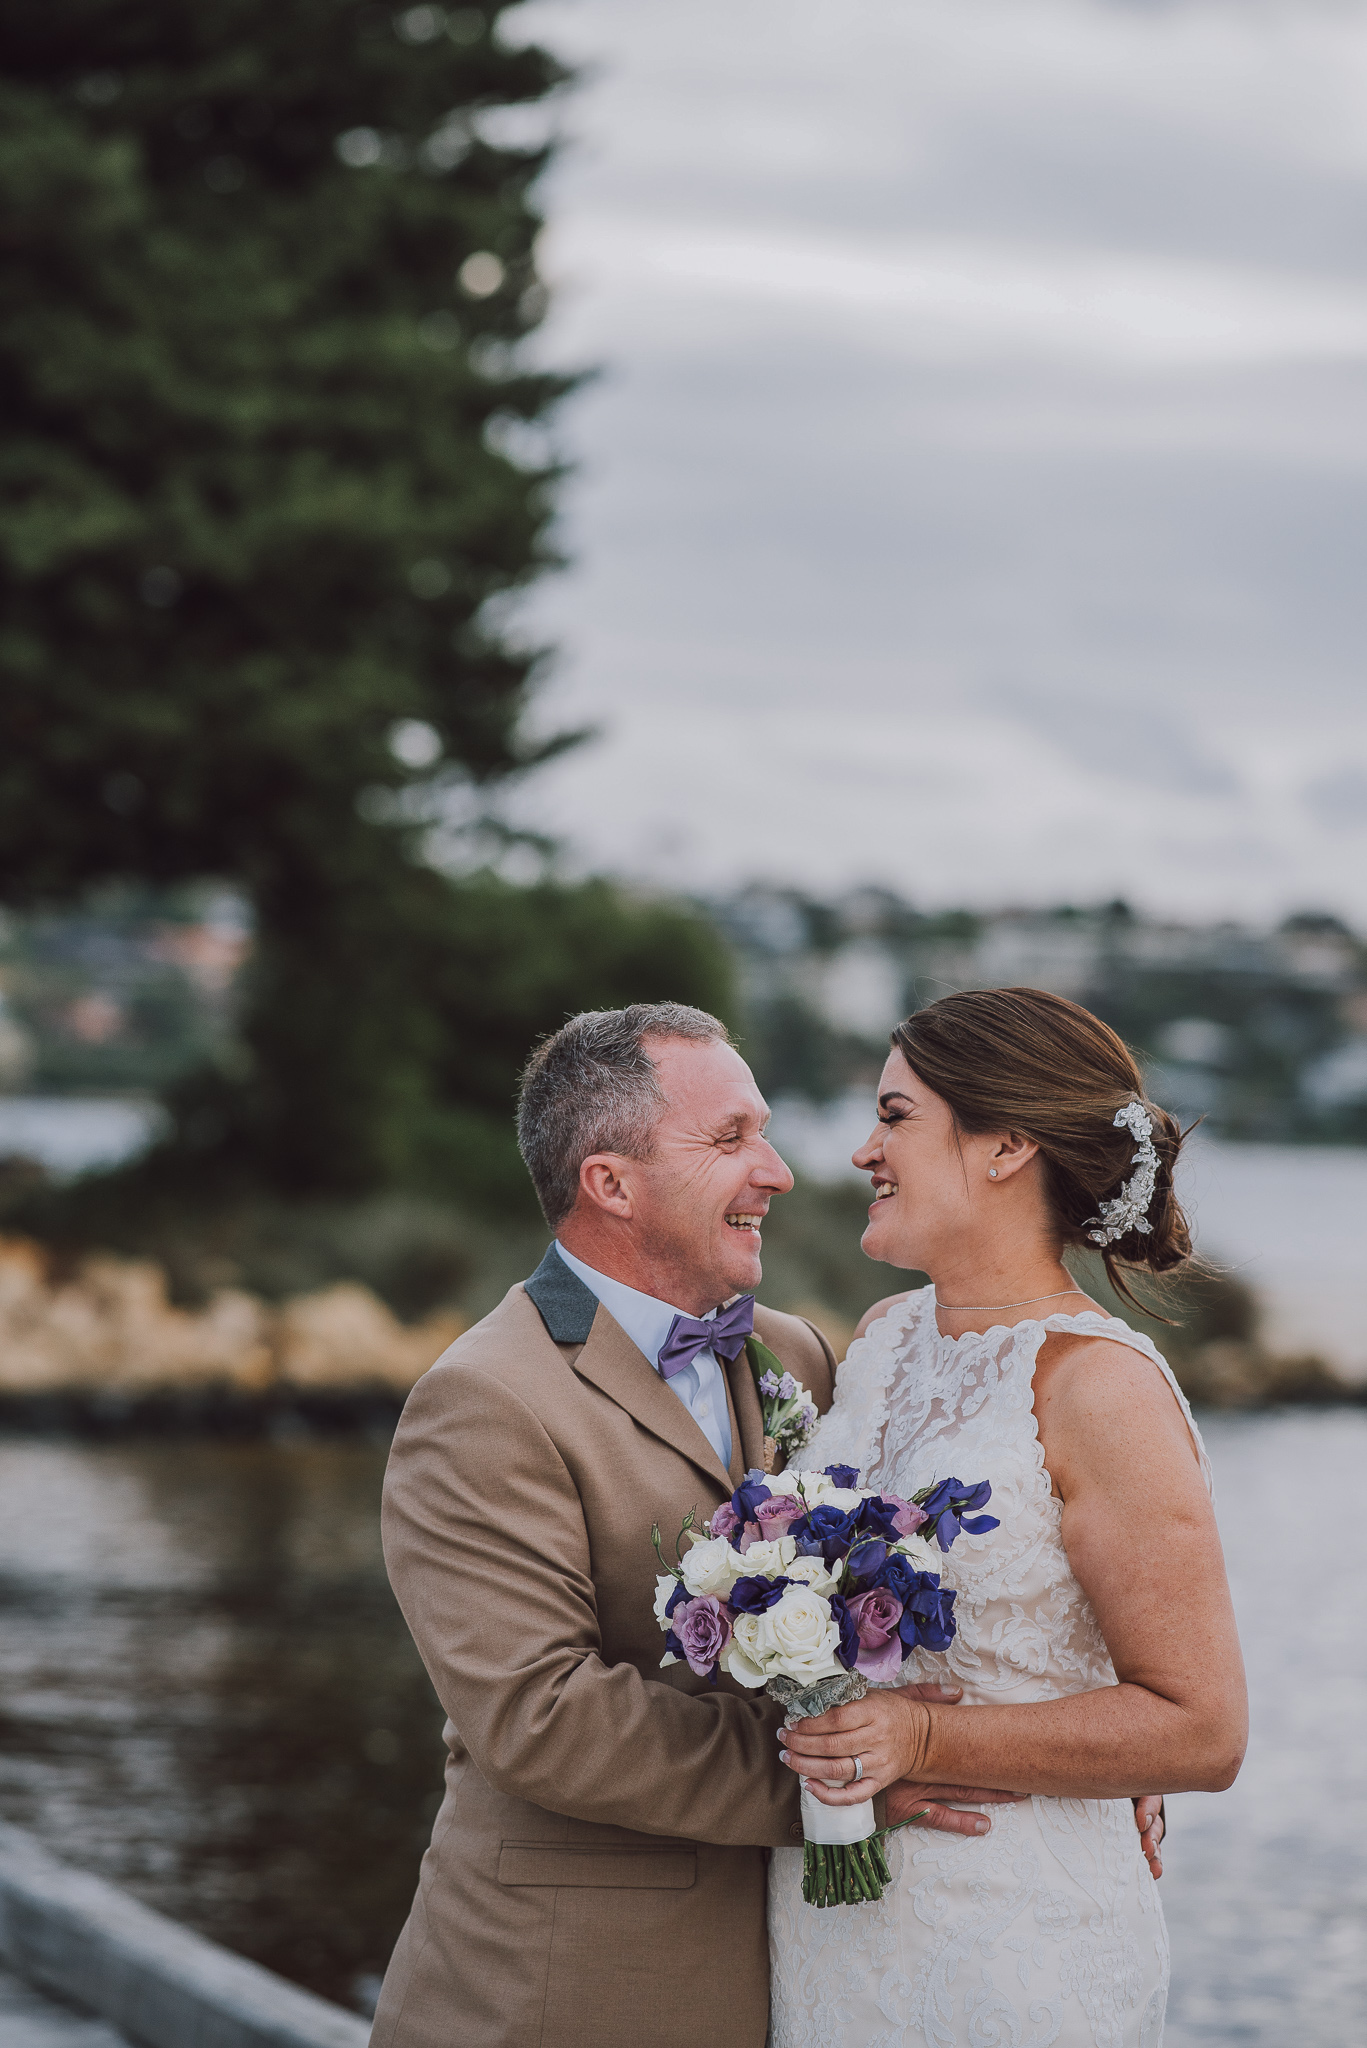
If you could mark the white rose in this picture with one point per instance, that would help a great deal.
(664, 1593)
(814, 1572)
(767, 1560)
(784, 1483)
(742, 1659)
(799, 1637)
(843, 1497)
(813, 1486)
(920, 1555)
(711, 1566)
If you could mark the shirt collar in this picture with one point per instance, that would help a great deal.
(645, 1320)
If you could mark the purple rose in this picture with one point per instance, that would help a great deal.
(703, 1628)
(775, 1515)
(748, 1535)
(876, 1616)
(908, 1517)
(725, 1521)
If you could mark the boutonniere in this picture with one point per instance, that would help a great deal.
(788, 1409)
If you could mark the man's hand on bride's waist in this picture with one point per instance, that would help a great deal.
(937, 1806)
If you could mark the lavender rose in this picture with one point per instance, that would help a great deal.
(908, 1518)
(703, 1628)
(725, 1521)
(775, 1516)
(875, 1615)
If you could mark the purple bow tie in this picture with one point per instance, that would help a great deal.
(725, 1335)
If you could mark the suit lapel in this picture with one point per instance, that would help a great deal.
(747, 1419)
(626, 1376)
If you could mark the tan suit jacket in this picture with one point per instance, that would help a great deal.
(596, 1877)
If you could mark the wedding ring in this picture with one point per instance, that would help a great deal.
(858, 1763)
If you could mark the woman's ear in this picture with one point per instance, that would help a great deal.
(1010, 1153)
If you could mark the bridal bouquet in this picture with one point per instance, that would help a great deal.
(811, 1586)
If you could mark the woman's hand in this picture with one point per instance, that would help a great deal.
(887, 1731)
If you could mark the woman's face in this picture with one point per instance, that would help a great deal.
(924, 1181)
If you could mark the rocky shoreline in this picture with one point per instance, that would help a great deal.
(95, 1348)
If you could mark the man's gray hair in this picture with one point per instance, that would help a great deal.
(592, 1087)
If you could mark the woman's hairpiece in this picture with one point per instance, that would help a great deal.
(1129, 1210)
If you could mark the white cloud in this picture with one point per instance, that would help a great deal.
(974, 495)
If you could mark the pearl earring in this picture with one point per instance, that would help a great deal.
(992, 1173)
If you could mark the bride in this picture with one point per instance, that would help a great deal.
(1096, 1646)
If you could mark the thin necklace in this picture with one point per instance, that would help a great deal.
(974, 1308)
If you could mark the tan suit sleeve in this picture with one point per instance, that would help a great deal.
(824, 1392)
(488, 1553)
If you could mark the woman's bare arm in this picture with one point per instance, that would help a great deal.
(1140, 1535)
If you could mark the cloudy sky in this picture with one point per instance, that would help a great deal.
(973, 496)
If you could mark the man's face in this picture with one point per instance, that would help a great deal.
(700, 1200)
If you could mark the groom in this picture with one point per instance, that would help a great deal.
(596, 1876)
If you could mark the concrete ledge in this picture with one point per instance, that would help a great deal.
(160, 1985)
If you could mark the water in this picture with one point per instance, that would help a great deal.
(207, 1694)
(70, 1134)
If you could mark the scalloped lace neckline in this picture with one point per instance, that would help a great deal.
(998, 1330)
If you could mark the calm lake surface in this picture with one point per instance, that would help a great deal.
(208, 1695)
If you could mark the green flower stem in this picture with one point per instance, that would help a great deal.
(844, 1874)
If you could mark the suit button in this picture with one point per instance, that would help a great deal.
(795, 1831)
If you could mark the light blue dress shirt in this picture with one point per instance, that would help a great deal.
(701, 1386)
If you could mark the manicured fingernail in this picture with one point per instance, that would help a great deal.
(980, 1827)
(783, 1756)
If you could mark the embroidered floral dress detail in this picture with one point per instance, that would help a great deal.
(1047, 1932)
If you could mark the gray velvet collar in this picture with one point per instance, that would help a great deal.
(566, 1306)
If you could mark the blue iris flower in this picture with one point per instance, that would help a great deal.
(947, 1510)
(849, 1635)
(867, 1557)
(754, 1594)
(828, 1530)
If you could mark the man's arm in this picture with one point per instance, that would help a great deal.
(488, 1554)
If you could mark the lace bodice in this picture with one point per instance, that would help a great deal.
(911, 1407)
(1047, 1931)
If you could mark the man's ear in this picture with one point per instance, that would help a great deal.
(602, 1185)
(1010, 1154)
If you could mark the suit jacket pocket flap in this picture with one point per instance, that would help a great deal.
(559, 1863)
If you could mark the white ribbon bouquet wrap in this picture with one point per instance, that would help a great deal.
(811, 1587)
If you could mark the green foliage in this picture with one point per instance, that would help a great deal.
(257, 513)
(249, 512)
(794, 1051)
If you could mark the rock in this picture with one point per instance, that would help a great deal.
(109, 1329)
(1230, 1372)
(345, 1337)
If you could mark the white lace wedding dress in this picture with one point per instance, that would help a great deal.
(1048, 1929)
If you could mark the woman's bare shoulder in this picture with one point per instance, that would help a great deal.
(1098, 1396)
(880, 1309)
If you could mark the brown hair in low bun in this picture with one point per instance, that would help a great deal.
(1020, 1059)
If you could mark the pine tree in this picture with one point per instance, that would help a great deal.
(269, 473)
